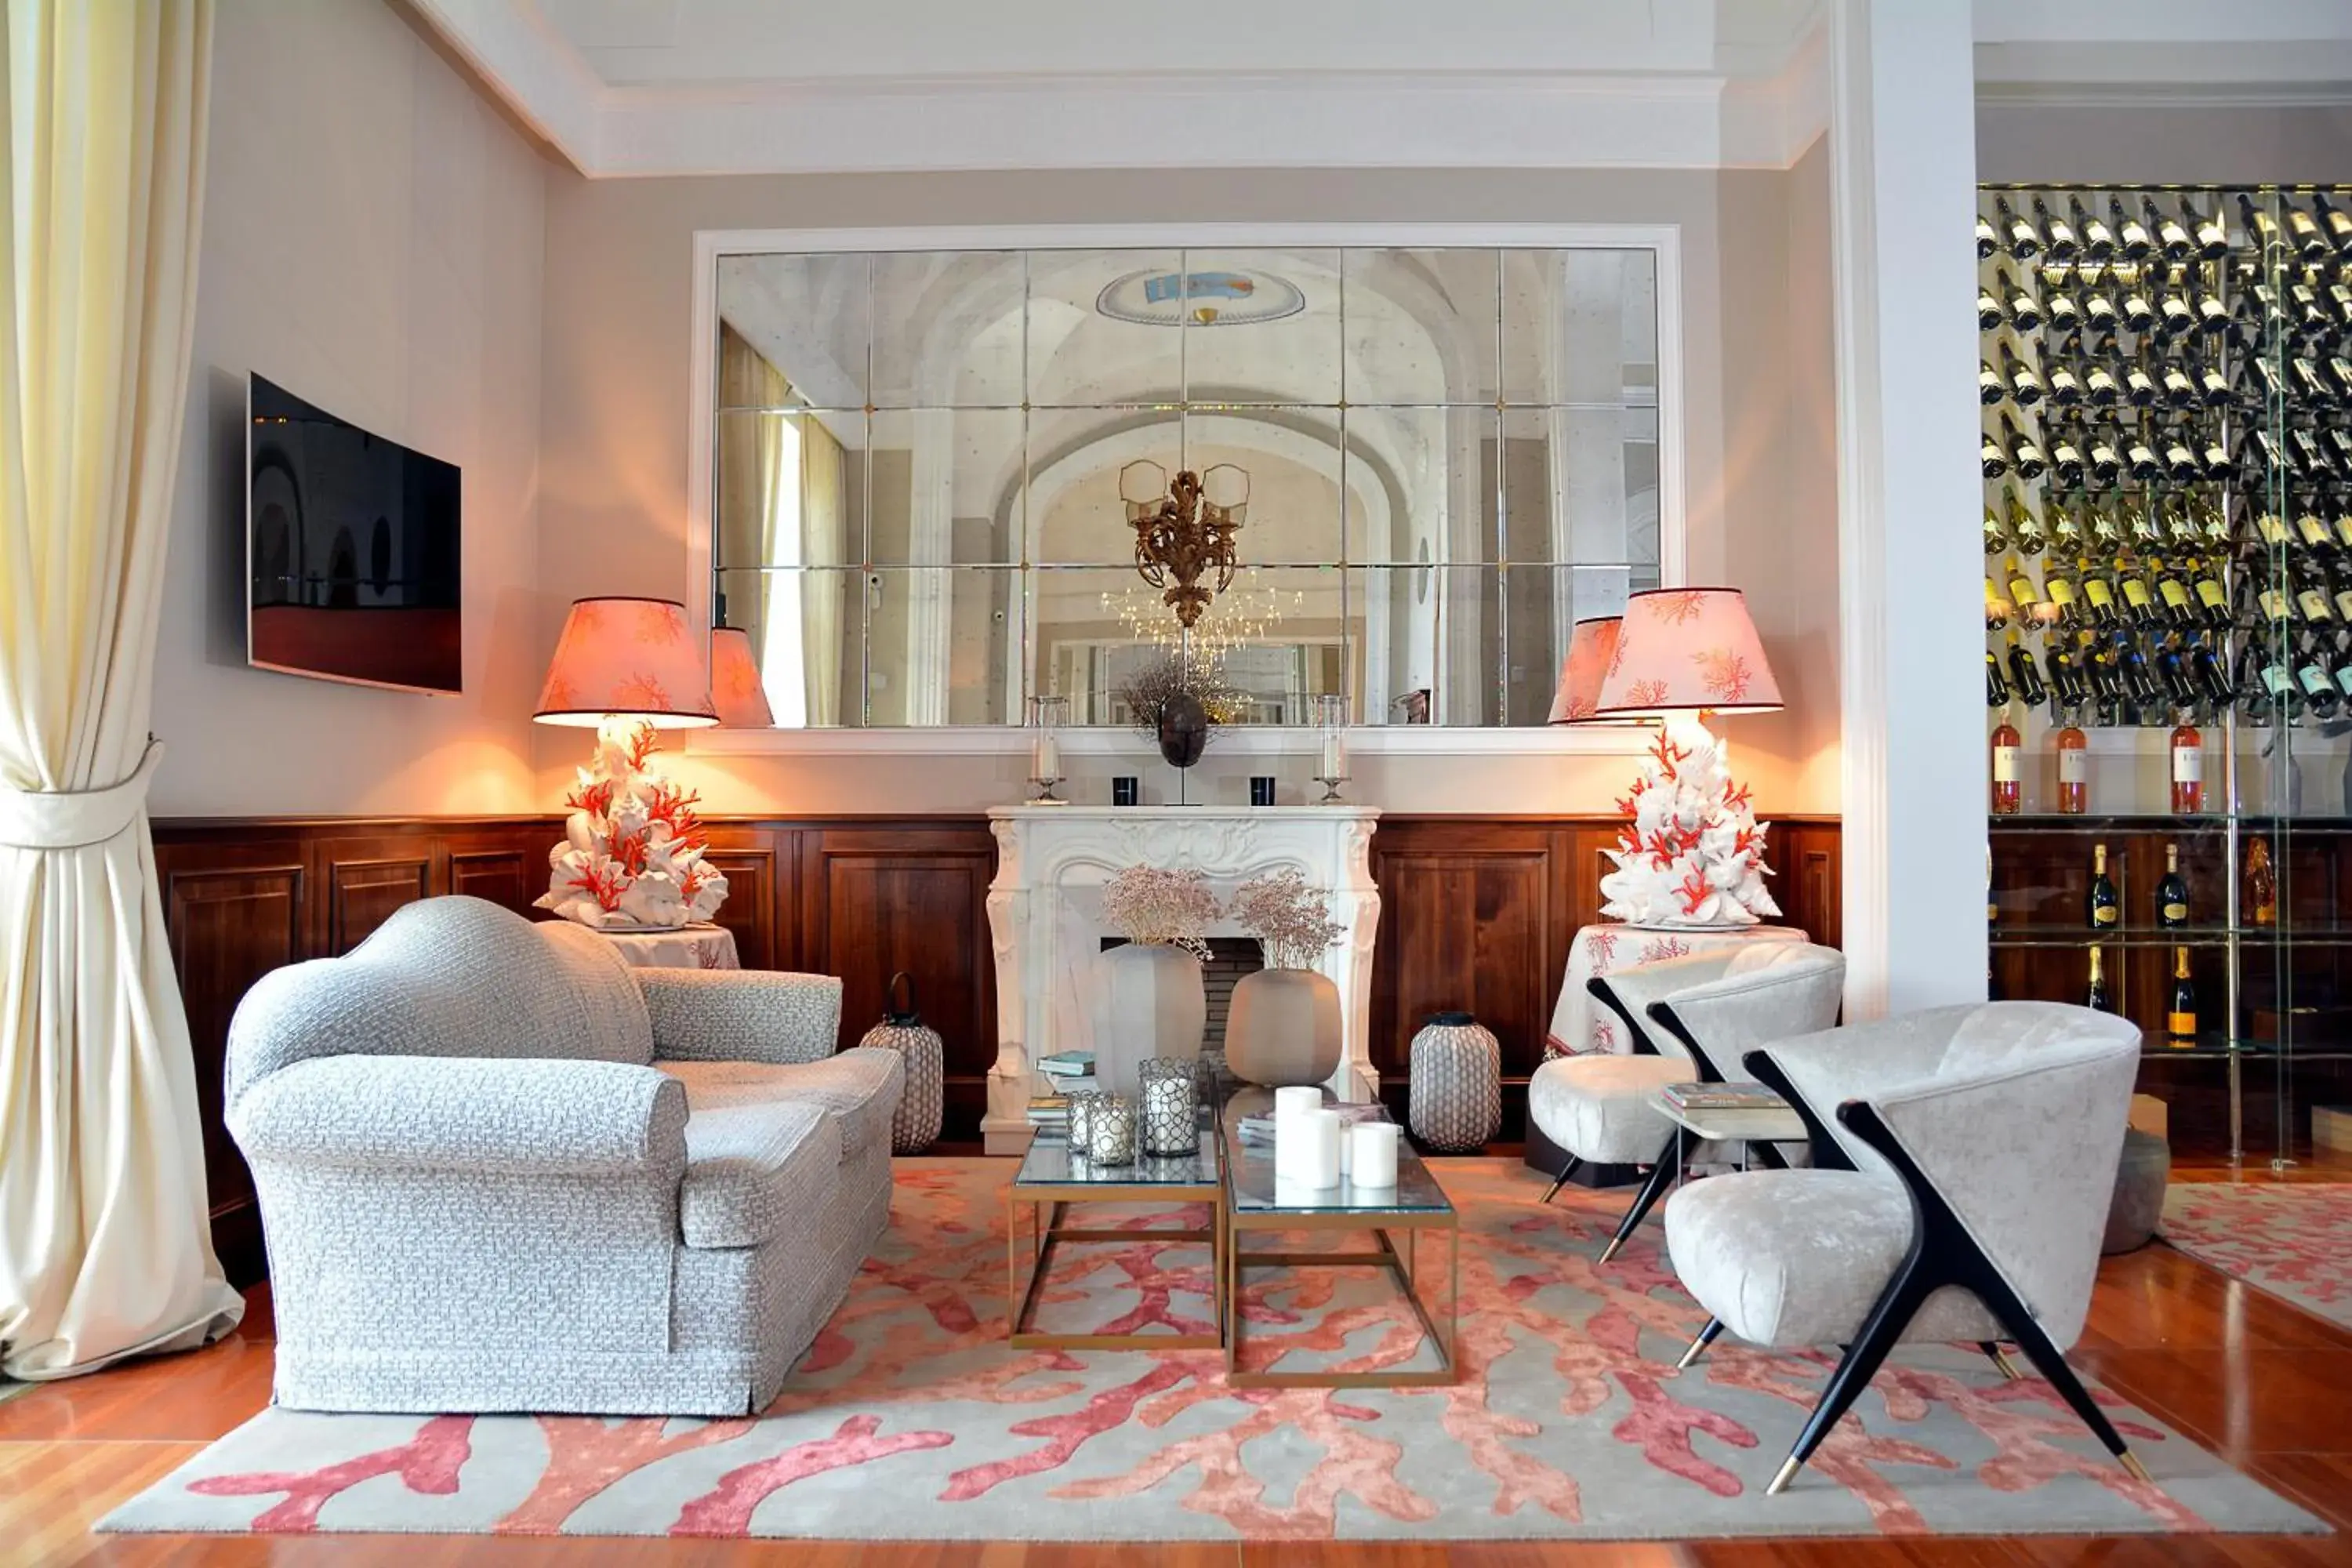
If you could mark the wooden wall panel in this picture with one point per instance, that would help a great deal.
(1477, 914)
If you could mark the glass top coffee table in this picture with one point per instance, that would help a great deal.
(1051, 1181)
(1256, 1201)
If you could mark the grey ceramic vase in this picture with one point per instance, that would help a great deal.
(1283, 1027)
(922, 1106)
(1455, 1101)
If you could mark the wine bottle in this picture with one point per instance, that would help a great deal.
(2172, 380)
(2138, 600)
(2187, 759)
(1989, 457)
(2340, 588)
(1995, 539)
(2212, 457)
(2105, 465)
(2058, 235)
(1996, 683)
(2102, 390)
(2094, 995)
(2066, 462)
(1992, 924)
(1997, 605)
(2181, 1015)
(2023, 310)
(2213, 236)
(2022, 384)
(2316, 679)
(2024, 456)
(2139, 386)
(2310, 240)
(2060, 594)
(2311, 592)
(2023, 242)
(2074, 771)
(2172, 891)
(2177, 318)
(2024, 528)
(2132, 239)
(2064, 531)
(2058, 306)
(2212, 386)
(2261, 229)
(2172, 669)
(2098, 596)
(1988, 309)
(2139, 316)
(2281, 696)
(2066, 386)
(2065, 680)
(1987, 241)
(2213, 316)
(2181, 462)
(2103, 910)
(2338, 223)
(2212, 598)
(2098, 310)
(2022, 593)
(2261, 902)
(2131, 667)
(2212, 679)
(1990, 388)
(2339, 373)
(2098, 239)
(2172, 595)
(2180, 529)
(2006, 793)
(2024, 679)
(2171, 238)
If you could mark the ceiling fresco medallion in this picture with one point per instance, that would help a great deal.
(1155, 299)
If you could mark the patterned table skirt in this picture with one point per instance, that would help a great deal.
(1579, 1025)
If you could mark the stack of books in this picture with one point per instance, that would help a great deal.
(1723, 1097)
(1063, 1071)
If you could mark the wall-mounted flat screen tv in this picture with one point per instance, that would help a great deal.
(352, 550)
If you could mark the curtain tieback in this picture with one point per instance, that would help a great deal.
(71, 819)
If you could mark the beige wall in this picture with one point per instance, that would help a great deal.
(2222, 144)
(371, 242)
(1759, 469)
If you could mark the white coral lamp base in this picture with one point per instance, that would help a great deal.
(1692, 857)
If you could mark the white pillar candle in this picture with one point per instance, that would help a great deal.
(1373, 1154)
(1291, 1100)
(1047, 764)
(1319, 1143)
(1334, 762)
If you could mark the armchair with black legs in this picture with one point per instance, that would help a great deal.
(1964, 1161)
(1689, 1019)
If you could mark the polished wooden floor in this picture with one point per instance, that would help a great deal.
(2267, 1387)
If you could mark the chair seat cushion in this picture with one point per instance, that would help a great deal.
(1799, 1257)
(859, 1087)
(751, 1168)
(1599, 1108)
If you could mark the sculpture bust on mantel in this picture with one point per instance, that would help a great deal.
(1051, 863)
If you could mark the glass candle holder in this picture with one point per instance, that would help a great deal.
(1111, 1138)
(1048, 717)
(1169, 1096)
(1332, 723)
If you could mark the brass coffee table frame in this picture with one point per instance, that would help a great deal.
(1401, 1266)
(1056, 1199)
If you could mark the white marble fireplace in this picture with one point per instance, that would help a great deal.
(1045, 914)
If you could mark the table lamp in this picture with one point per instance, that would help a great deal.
(1693, 856)
(632, 856)
(1590, 649)
(736, 690)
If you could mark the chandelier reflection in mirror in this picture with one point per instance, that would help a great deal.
(1184, 530)
(925, 480)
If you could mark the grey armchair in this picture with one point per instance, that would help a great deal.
(501, 1170)
(1963, 1162)
(1689, 1018)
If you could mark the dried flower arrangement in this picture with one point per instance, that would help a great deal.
(633, 847)
(1201, 677)
(1289, 919)
(1170, 909)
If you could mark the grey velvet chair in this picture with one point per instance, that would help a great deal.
(501, 1170)
(1963, 1162)
(1689, 1019)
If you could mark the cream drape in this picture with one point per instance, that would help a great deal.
(105, 1247)
(824, 524)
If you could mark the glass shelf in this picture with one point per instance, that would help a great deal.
(2302, 934)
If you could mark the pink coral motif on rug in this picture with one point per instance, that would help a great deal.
(911, 1419)
(2291, 1239)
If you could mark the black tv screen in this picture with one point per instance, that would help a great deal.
(352, 550)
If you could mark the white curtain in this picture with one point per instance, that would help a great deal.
(105, 1249)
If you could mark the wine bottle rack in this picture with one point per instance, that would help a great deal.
(2167, 449)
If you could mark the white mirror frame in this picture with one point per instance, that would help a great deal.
(1663, 240)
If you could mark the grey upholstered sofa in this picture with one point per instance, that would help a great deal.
(501, 1170)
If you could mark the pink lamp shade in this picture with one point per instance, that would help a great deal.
(1590, 649)
(630, 658)
(1684, 648)
(735, 689)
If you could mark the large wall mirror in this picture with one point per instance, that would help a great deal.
(1449, 456)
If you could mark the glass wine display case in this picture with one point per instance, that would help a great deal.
(2167, 442)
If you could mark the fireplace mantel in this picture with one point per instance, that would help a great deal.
(1045, 917)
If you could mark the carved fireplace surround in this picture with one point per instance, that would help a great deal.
(1044, 915)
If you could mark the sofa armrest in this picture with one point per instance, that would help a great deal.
(741, 1015)
(535, 1117)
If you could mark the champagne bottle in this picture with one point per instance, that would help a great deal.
(1990, 388)
(2171, 237)
(2180, 1016)
(2066, 386)
(2213, 316)
(2103, 909)
(2139, 315)
(2057, 232)
(1988, 309)
(2139, 456)
(2171, 892)
(1987, 241)
(2006, 790)
(2261, 229)
(2024, 456)
(2102, 390)
(2066, 462)
(2098, 310)
(2178, 317)
(2022, 384)
(2187, 755)
(2131, 236)
(2310, 240)
(2094, 995)
(2212, 386)
(2172, 380)
(2107, 466)
(2023, 242)
(2139, 386)
(2098, 239)
(2261, 902)
(2058, 306)
(1989, 457)
(2338, 223)
(2023, 310)
(2181, 462)
(2213, 236)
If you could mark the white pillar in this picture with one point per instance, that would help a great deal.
(1903, 143)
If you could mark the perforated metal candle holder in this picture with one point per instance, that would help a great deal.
(1110, 1139)
(1086, 1106)
(1168, 1089)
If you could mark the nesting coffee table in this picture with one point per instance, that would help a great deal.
(1236, 1180)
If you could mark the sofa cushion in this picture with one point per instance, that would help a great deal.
(859, 1087)
(751, 1167)
(1599, 1108)
(1799, 1257)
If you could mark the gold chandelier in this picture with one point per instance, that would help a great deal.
(1184, 530)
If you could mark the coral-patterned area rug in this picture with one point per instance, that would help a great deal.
(2294, 1241)
(912, 1419)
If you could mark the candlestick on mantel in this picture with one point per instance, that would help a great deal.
(1047, 716)
(1331, 718)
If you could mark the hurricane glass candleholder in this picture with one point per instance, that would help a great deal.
(1169, 1096)
(1332, 765)
(1111, 1138)
(1048, 717)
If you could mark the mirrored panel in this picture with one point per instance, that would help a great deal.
(1421, 326)
(791, 488)
(1261, 326)
(1431, 645)
(808, 318)
(1580, 485)
(1098, 331)
(808, 640)
(948, 329)
(1541, 606)
(1269, 645)
(1421, 486)
(942, 645)
(1580, 326)
(948, 486)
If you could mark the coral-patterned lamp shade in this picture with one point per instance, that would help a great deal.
(1685, 649)
(1590, 647)
(626, 659)
(735, 689)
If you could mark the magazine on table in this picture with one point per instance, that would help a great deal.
(1258, 1130)
(1723, 1097)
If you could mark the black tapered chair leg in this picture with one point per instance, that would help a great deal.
(1706, 1336)
(1863, 1359)
(1661, 1177)
(1562, 1180)
(2051, 1362)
